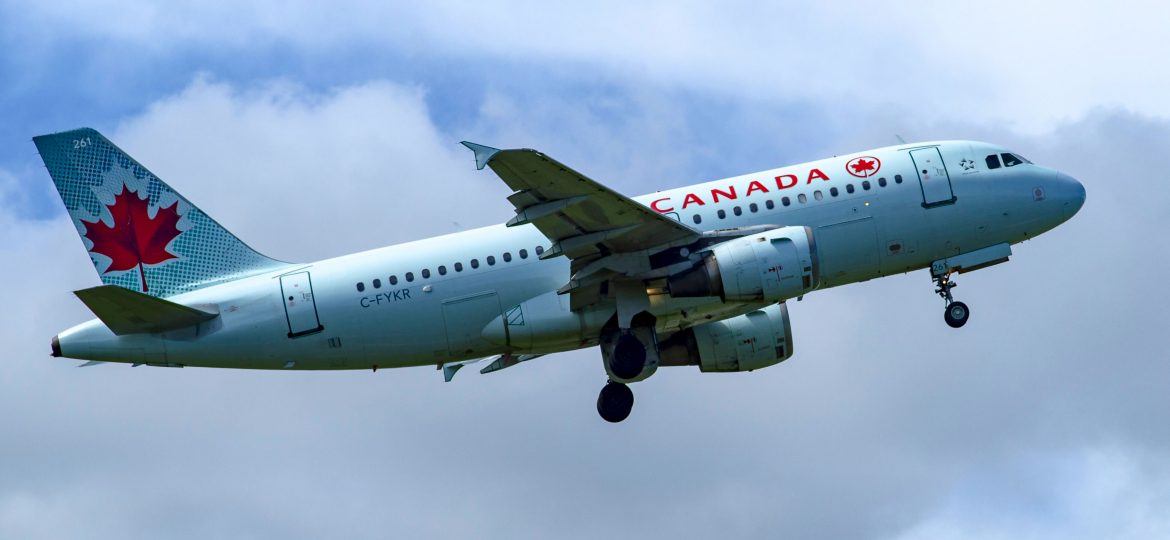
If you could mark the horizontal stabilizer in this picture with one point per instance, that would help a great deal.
(129, 312)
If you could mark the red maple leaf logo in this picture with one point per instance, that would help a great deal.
(863, 167)
(136, 239)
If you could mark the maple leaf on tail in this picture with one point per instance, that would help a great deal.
(135, 239)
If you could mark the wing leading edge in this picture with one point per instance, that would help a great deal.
(605, 234)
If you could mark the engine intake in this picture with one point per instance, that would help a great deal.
(752, 341)
(771, 266)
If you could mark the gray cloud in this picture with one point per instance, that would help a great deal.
(1043, 418)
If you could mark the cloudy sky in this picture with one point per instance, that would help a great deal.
(313, 131)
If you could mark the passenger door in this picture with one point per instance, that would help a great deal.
(932, 177)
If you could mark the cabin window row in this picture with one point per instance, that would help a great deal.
(801, 198)
(425, 273)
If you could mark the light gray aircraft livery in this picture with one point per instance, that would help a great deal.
(694, 276)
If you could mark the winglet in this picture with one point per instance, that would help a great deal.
(483, 154)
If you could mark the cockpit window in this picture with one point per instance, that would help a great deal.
(993, 161)
(1010, 160)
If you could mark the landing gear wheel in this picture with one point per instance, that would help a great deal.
(629, 357)
(614, 402)
(956, 314)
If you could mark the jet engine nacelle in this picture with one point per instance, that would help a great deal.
(752, 341)
(771, 266)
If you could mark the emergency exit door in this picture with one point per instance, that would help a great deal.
(933, 177)
(299, 306)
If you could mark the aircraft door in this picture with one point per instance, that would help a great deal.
(299, 306)
(933, 177)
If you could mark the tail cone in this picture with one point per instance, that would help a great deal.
(56, 345)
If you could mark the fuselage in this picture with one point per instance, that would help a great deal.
(874, 213)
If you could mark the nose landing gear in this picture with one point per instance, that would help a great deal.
(956, 313)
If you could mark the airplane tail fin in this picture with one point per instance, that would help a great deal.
(141, 234)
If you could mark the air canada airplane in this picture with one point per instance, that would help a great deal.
(694, 276)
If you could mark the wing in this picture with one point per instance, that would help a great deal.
(604, 233)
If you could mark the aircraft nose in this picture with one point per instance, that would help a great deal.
(1071, 194)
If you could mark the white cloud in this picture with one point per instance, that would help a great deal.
(859, 436)
(1026, 65)
(303, 175)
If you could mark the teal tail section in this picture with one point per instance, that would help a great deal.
(141, 234)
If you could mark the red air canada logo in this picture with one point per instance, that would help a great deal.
(863, 167)
(136, 239)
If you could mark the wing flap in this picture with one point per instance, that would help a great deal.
(129, 312)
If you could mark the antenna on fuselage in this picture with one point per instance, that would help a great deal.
(900, 139)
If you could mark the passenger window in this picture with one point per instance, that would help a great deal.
(491, 260)
(786, 201)
(393, 280)
(507, 256)
(458, 267)
(442, 270)
(769, 204)
(897, 179)
(754, 207)
(818, 195)
(737, 211)
(697, 219)
(802, 198)
(474, 263)
(426, 273)
(992, 161)
(882, 181)
(849, 188)
(833, 191)
(377, 283)
(721, 214)
(539, 250)
(409, 276)
(1010, 160)
(361, 287)
(523, 253)
(865, 185)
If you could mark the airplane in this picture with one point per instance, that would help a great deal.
(694, 276)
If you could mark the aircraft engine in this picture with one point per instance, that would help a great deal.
(752, 341)
(771, 266)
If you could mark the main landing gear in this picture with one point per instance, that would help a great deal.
(956, 313)
(615, 402)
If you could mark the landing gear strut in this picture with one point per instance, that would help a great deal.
(615, 401)
(956, 313)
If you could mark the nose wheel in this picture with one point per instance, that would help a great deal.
(956, 313)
